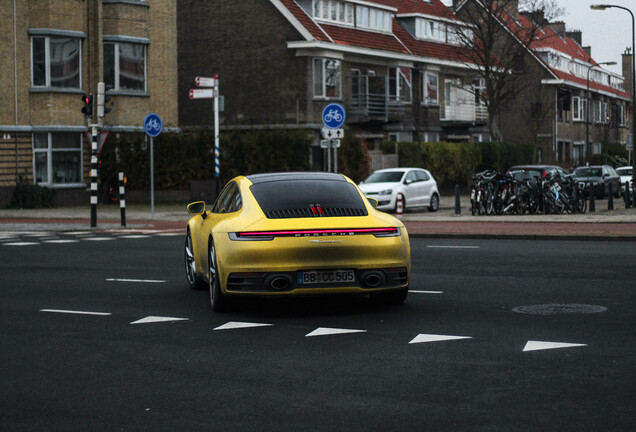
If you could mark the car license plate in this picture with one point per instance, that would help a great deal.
(325, 276)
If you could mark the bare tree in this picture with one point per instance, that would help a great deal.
(499, 44)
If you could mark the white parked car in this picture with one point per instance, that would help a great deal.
(626, 175)
(417, 187)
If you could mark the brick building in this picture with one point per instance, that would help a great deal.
(550, 109)
(397, 67)
(54, 51)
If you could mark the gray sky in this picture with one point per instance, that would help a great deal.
(608, 32)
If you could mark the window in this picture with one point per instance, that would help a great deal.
(327, 74)
(57, 158)
(229, 201)
(55, 62)
(579, 107)
(426, 29)
(598, 112)
(333, 10)
(373, 19)
(430, 88)
(400, 85)
(125, 66)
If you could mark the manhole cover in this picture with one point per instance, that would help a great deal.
(559, 309)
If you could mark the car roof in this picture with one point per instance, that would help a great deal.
(294, 176)
(400, 169)
(534, 166)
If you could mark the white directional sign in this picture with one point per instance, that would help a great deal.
(204, 82)
(330, 143)
(329, 133)
(201, 94)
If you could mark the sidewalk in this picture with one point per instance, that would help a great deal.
(617, 224)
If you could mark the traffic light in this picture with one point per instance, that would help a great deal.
(102, 99)
(87, 109)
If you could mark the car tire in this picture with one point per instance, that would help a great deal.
(190, 266)
(218, 300)
(434, 203)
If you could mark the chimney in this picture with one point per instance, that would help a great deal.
(627, 69)
(575, 35)
(537, 17)
(558, 27)
(511, 6)
(588, 51)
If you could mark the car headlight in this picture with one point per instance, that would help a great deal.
(386, 192)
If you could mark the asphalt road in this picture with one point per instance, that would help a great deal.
(99, 332)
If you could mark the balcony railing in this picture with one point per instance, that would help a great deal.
(369, 99)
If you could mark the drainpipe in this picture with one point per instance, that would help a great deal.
(15, 85)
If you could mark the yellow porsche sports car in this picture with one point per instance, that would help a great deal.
(293, 234)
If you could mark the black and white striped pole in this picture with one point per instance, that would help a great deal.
(122, 198)
(94, 163)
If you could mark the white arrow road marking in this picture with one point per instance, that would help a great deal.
(240, 325)
(426, 292)
(135, 280)
(75, 312)
(155, 319)
(422, 338)
(323, 331)
(540, 345)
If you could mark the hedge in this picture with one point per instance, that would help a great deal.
(454, 163)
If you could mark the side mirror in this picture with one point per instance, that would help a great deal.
(196, 208)
(374, 202)
(408, 182)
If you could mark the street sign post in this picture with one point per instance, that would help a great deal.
(333, 118)
(211, 93)
(153, 127)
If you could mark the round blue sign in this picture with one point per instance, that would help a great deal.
(333, 116)
(153, 125)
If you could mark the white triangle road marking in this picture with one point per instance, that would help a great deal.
(541, 345)
(239, 325)
(155, 319)
(324, 331)
(422, 338)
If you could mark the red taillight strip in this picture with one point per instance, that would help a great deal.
(321, 232)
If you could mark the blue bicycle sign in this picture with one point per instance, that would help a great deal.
(333, 116)
(153, 124)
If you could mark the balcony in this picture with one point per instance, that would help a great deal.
(368, 99)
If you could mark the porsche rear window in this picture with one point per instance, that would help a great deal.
(308, 198)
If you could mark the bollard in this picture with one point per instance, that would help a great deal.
(610, 198)
(400, 205)
(592, 198)
(122, 198)
(458, 207)
(574, 201)
(628, 198)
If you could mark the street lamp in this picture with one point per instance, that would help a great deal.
(588, 149)
(608, 6)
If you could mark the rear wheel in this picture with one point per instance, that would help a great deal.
(434, 204)
(218, 300)
(190, 266)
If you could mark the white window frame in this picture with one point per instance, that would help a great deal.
(323, 78)
(401, 80)
(47, 60)
(370, 18)
(49, 150)
(322, 11)
(116, 66)
(579, 108)
(426, 100)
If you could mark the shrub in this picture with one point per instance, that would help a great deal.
(27, 195)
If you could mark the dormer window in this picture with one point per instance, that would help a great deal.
(428, 29)
(334, 11)
(373, 19)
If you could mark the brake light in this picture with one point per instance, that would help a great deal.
(269, 235)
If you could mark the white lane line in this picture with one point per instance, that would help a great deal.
(240, 325)
(135, 280)
(156, 319)
(423, 338)
(75, 312)
(135, 236)
(22, 244)
(426, 292)
(542, 345)
(452, 247)
(98, 238)
(324, 331)
(59, 241)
